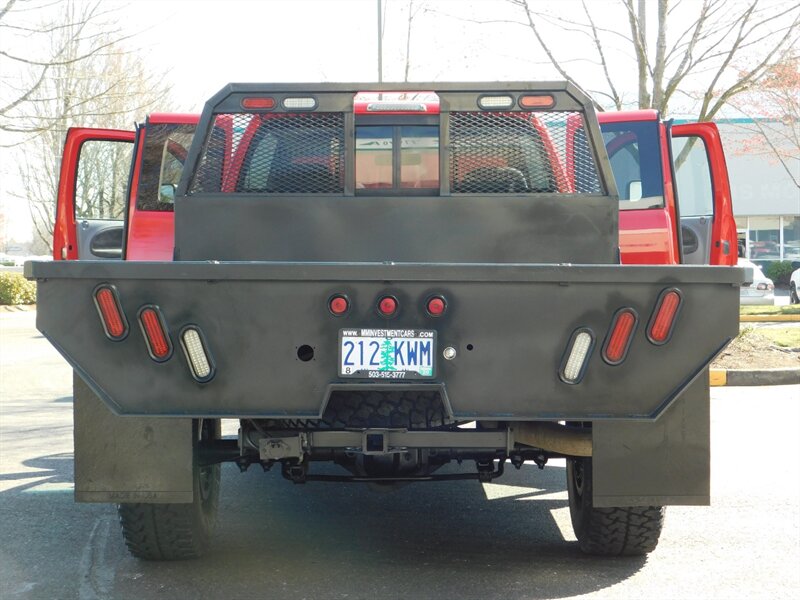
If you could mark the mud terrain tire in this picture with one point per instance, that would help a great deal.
(616, 531)
(176, 531)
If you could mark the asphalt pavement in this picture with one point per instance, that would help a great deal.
(509, 539)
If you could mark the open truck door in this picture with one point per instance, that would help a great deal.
(95, 174)
(708, 229)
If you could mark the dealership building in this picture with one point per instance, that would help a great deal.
(765, 190)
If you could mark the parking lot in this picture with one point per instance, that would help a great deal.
(508, 539)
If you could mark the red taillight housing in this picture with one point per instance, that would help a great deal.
(154, 330)
(106, 300)
(387, 306)
(662, 323)
(435, 306)
(620, 336)
(338, 305)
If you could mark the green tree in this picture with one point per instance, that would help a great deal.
(387, 356)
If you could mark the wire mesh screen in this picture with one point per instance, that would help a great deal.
(521, 152)
(283, 153)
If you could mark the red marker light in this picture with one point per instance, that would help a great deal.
(338, 305)
(258, 103)
(436, 306)
(387, 306)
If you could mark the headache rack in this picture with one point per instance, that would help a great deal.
(322, 139)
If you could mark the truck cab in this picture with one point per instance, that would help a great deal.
(668, 174)
(665, 174)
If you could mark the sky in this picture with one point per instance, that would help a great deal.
(205, 44)
(334, 40)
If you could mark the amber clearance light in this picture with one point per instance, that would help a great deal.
(543, 101)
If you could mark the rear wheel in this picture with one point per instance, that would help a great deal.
(616, 531)
(176, 531)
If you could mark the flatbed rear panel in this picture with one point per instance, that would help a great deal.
(517, 320)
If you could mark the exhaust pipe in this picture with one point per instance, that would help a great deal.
(570, 441)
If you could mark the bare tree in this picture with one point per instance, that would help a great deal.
(726, 50)
(108, 87)
(30, 49)
(413, 11)
(774, 108)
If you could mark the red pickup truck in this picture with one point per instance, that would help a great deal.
(358, 272)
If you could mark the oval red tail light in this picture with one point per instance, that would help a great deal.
(620, 336)
(664, 316)
(112, 318)
(159, 346)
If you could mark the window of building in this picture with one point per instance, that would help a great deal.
(791, 238)
(764, 238)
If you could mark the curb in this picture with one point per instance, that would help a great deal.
(769, 318)
(741, 377)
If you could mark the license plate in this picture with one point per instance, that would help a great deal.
(387, 353)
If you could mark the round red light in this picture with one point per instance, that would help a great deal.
(387, 306)
(338, 305)
(436, 306)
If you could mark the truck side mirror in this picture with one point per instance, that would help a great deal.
(634, 190)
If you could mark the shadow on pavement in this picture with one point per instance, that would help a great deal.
(319, 540)
(49, 469)
(443, 540)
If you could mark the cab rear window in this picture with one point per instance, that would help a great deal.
(380, 167)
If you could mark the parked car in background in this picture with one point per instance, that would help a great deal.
(794, 287)
(761, 290)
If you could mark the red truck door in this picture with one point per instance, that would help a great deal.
(161, 151)
(708, 228)
(95, 172)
